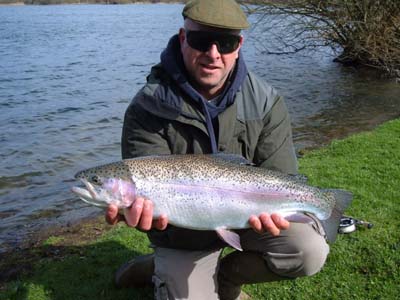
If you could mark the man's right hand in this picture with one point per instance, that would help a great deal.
(139, 215)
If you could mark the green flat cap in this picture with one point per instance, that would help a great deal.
(216, 13)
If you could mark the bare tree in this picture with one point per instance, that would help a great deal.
(363, 32)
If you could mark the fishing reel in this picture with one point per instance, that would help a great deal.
(349, 225)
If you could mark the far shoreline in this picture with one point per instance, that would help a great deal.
(13, 4)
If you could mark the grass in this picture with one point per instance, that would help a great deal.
(362, 265)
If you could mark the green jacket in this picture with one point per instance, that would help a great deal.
(161, 119)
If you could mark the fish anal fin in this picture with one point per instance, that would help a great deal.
(230, 237)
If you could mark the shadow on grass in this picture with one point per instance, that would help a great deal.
(76, 272)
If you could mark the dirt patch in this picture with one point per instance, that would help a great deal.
(17, 262)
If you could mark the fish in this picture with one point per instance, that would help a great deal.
(212, 192)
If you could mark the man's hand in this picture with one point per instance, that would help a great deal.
(271, 223)
(139, 215)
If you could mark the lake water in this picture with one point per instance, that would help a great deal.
(67, 74)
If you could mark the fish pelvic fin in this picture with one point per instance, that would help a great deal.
(342, 201)
(230, 237)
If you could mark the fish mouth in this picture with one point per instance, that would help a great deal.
(88, 195)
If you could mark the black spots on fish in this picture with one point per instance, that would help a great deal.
(80, 175)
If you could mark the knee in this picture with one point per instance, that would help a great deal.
(305, 258)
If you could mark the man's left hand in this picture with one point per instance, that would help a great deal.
(273, 223)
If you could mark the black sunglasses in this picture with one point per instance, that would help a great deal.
(203, 40)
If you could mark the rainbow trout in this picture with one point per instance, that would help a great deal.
(211, 192)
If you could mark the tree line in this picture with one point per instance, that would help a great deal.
(52, 2)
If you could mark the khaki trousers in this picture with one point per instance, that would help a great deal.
(198, 275)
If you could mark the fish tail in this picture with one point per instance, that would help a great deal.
(342, 201)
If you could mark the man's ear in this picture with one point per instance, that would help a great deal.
(241, 40)
(240, 46)
(182, 35)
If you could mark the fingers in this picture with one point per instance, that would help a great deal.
(140, 215)
(146, 219)
(268, 223)
(134, 213)
(280, 222)
(255, 223)
(112, 216)
(161, 223)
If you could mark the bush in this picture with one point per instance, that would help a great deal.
(365, 32)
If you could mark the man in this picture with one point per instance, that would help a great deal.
(202, 99)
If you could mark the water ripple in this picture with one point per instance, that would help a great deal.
(18, 180)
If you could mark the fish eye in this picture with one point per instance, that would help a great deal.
(95, 179)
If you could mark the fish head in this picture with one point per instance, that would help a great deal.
(105, 185)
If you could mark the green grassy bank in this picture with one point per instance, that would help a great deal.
(362, 265)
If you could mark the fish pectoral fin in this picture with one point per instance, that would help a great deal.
(230, 237)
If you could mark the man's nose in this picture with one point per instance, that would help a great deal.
(213, 51)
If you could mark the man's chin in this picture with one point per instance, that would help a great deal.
(208, 83)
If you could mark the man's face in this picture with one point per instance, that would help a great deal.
(209, 69)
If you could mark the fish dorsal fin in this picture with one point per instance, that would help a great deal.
(230, 237)
(232, 158)
(300, 178)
